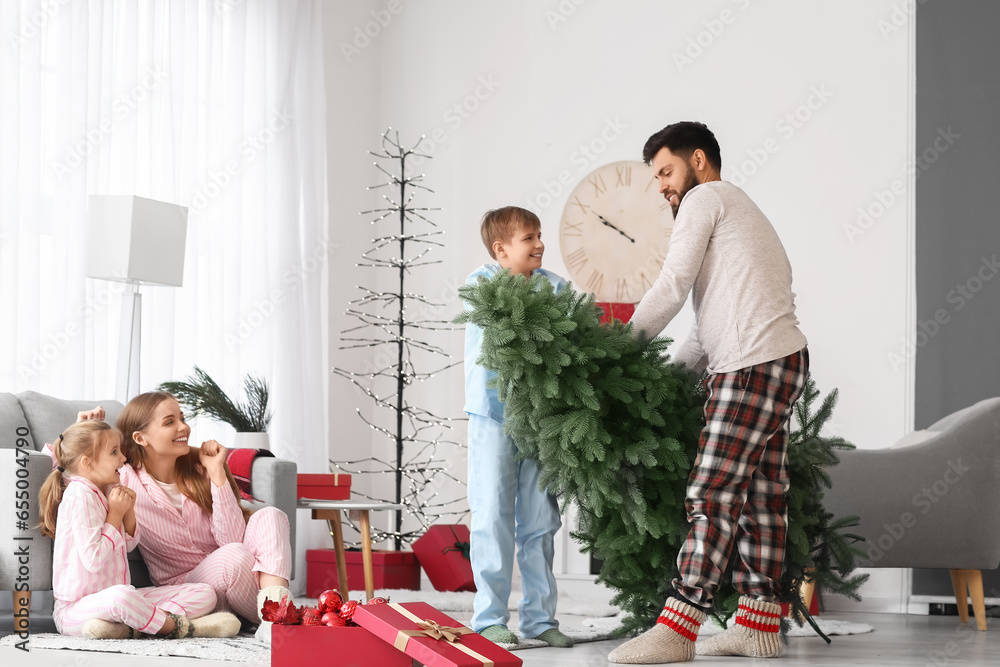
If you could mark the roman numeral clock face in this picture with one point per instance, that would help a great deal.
(615, 231)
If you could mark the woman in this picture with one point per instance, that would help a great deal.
(194, 529)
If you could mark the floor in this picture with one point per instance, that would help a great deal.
(933, 641)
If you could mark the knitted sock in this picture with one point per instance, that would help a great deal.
(553, 637)
(670, 640)
(182, 628)
(96, 628)
(498, 634)
(755, 635)
(219, 624)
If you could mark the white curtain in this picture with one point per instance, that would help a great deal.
(217, 105)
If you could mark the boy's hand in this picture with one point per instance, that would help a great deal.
(97, 414)
(213, 457)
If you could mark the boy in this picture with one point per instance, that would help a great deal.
(504, 493)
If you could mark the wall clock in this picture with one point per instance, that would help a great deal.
(614, 232)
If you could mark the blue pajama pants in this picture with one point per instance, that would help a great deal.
(508, 509)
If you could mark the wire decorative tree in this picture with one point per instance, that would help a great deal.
(385, 322)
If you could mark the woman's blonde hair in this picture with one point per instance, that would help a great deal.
(191, 479)
(83, 439)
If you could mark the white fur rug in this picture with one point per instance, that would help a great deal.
(599, 623)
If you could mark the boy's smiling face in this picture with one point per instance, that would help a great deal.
(523, 253)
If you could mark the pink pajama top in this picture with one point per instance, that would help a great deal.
(175, 542)
(89, 554)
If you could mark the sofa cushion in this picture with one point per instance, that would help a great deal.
(914, 438)
(982, 407)
(47, 416)
(14, 424)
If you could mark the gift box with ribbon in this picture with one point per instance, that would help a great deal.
(443, 552)
(324, 486)
(296, 645)
(431, 637)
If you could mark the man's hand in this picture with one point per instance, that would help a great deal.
(97, 414)
(212, 456)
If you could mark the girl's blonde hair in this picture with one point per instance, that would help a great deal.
(191, 479)
(79, 440)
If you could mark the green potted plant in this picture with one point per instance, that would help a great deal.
(200, 395)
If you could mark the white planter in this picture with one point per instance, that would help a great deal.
(251, 441)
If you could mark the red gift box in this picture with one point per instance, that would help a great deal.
(296, 645)
(329, 486)
(443, 552)
(390, 569)
(430, 637)
(615, 311)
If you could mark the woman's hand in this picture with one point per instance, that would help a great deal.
(97, 414)
(213, 457)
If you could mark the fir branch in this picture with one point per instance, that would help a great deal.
(200, 395)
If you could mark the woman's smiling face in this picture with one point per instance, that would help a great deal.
(166, 435)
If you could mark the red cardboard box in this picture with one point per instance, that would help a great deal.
(443, 552)
(329, 486)
(403, 626)
(297, 645)
(390, 569)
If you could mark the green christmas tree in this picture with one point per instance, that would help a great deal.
(614, 426)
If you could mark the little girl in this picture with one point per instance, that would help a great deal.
(92, 533)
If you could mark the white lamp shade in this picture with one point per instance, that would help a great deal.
(133, 239)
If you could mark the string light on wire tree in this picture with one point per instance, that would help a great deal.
(384, 320)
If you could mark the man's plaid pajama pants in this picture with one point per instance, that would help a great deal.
(736, 491)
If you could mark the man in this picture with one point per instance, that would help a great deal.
(727, 255)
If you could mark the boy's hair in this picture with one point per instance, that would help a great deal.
(501, 224)
(683, 139)
(136, 416)
(88, 438)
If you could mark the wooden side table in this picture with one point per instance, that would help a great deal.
(329, 511)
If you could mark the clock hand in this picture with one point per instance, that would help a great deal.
(608, 224)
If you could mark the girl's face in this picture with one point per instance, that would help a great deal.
(104, 469)
(166, 435)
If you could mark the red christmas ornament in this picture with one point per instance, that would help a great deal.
(333, 619)
(330, 601)
(378, 601)
(312, 616)
(347, 610)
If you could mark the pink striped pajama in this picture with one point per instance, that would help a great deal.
(90, 577)
(219, 549)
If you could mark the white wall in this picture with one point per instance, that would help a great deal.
(552, 76)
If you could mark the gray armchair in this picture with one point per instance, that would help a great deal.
(29, 420)
(932, 500)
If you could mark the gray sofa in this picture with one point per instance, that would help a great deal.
(932, 500)
(29, 420)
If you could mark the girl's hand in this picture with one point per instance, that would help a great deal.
(97, 414)
(120, 501)
(213, 457)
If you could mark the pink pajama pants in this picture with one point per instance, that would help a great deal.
(232, 569)
(144, 609)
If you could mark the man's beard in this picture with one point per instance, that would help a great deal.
(690, 182)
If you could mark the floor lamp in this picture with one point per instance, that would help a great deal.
(136, 241)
